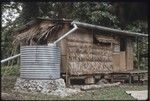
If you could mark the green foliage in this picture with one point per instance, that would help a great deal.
(9, 22)
(140, 26)
(10, 70)
(6, 47)
(9, 12)
(99, 13)
(103, 15)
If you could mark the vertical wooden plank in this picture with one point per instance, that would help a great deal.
(122, 61)
(63, 48)
(116, 62)
(129, 54)
(130, 78)
(138, 53)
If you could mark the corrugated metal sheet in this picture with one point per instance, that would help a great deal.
(40, 62)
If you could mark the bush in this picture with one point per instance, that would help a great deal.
(10, 70)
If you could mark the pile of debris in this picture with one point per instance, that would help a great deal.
(52, 87)
(100, 84)
(56, 87)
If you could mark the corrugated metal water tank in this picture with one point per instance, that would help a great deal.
(40, 62)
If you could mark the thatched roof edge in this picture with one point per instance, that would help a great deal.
(38, 20)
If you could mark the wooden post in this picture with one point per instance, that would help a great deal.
(67, 75)
(138, 53)
(130, 78)
(89, 80)
(67, 78)
(112, 78)
(68, 81)
(139, 78)
(67, 64)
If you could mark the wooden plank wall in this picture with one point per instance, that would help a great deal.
(129, 54)
(63, 48)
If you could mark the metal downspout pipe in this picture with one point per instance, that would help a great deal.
(10, 58)
(75, 28)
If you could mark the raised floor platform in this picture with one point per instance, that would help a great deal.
(121, 76)
(140, 74)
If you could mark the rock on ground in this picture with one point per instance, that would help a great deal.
(65, 92)
(102, 81)
(139, 95)
(43, 86)
(94, 86)
(53, 87)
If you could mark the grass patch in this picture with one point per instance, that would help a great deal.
(109, 93)
(10, 70)
(9, 75)
(31, 96)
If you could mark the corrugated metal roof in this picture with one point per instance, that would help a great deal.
(116, 31)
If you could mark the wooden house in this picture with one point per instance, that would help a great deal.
(90, 50)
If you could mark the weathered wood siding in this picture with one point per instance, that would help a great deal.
(129, 54)
(122, 61)
(116, 62)
(119, 62)
(62, 44)
(119, 56)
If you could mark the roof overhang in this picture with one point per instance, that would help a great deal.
(117, 31)
(38, 20)
(85, 25)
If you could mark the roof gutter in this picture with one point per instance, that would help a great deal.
(122, 32)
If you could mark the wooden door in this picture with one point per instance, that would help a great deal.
(119, 62)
